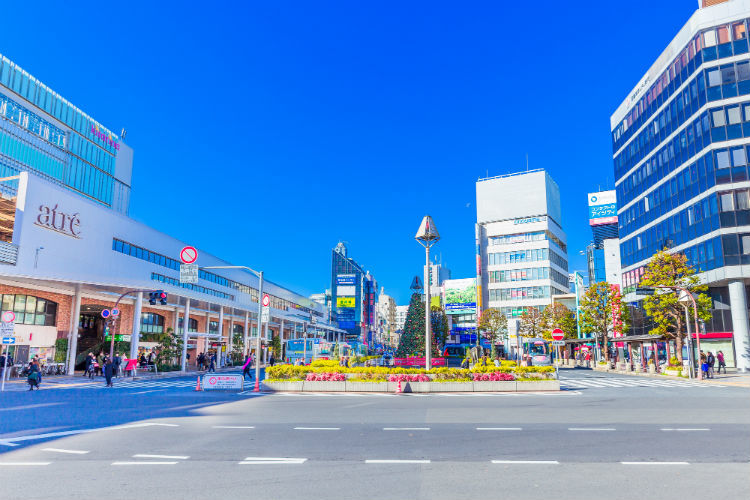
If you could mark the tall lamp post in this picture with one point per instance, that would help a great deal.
(427, 235)
(259, 274)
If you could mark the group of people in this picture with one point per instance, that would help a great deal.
(104, 365)
(207, 362)
(708, 361)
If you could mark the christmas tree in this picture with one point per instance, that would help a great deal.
(411, 342)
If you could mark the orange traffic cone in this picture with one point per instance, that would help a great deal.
(198, 385)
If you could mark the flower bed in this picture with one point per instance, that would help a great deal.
(493, 377)
(325, 377)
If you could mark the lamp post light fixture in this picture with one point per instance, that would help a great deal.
(427, 235)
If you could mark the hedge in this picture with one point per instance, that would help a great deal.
(378, 373)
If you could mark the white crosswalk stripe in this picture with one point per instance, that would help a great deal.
(582, 383)
(135, 384)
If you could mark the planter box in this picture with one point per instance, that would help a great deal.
(367, 386)
(282, 386)
(673, 373)
(538, 385)
(414, 386)
(451, 387)
(324, 386)
(496, 386)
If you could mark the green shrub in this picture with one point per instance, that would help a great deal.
(61, 350)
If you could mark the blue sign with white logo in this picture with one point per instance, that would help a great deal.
(346, 279)
(9, 340)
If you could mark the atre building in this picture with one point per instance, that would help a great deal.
(680, 146)
(68, 249)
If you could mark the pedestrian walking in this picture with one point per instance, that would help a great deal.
(152, 357)
(117, 362)
(108, 369)
(704, 364)
(35, 376)
(722, 362)
(711, 360)
(89, 366)
(587, 358)
(246, 367)
(212, 363)
(271, 360)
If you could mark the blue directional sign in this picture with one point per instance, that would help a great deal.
(9, 340)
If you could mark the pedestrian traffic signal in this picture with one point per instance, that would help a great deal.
(159, 296)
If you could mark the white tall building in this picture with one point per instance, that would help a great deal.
(401, 317)
(386, 317)
(522, 258)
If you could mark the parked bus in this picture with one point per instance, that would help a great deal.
(316, 349)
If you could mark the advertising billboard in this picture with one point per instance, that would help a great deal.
(602, 208)
(346, 290)
(346, 301)
(460, 296)
(346, 279)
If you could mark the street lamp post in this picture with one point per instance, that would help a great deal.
(259, 274)
(427, 235)
(685, 294)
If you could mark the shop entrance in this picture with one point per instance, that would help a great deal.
(90, 331)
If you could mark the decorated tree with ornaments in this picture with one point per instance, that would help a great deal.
(411, 342)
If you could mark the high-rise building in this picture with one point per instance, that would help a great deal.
(603, 253)
(353, 295)
(386, 318)
(43, 133)
(522, 258)
(401, 312)
(680, 146)
(438, 274)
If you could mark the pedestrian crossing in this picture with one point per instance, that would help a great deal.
(136, 384)
(599, 382)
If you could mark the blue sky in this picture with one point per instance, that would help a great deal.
(265, 132)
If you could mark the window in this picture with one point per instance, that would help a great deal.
(734, 115)
(743, 200)
(726, 201)
(739, 31)
(722, 159)
(714, 77)
(709, 38)
(192, 324)
(718, 118)
(152, 323)
(743, 71)
(739, 158)
(745, 244)
(31, 310)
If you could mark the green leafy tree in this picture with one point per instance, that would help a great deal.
(276, 346)
(532, 323)
(599, 306)
(667, 271)
(238, 347)
(170, 347)
(411, 342)
(494, 326)
(439, 324)
(558, 316)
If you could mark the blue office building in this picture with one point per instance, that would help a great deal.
(354, 296)
(680, 146)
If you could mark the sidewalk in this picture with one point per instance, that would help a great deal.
(731, 378)
(78, 378)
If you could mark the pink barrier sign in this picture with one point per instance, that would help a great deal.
(417, 361)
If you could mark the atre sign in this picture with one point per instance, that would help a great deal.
(51, 217)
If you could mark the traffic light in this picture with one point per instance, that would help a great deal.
(159, 296)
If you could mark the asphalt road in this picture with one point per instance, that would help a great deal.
(623, 440)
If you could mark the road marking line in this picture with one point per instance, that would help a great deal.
(272, 461)
(233, 426)
(28, 407)
(499, 428)
(686, 429)
(591, 428)
(317, 428)
(146, 392)
(21, 464)
(535, 462)
(397, 461)
(173, 457)
(406, 428)
(59, 450)
(655, 463)
(144, 463)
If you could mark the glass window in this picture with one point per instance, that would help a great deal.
(714, 77)
(743, 200)
(723, 34)
(722, 159)
(726, 201)
(739, 31)
(745, 244)
(727, 74)
(739, 158)
(718, 118)
(743, 71)
(8, 302)
(733, 114)
(709, 38)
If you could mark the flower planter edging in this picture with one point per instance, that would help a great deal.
(317, 386)
(291, 386)
(538, 385)
(496, 386)
(366, 386)
(449, 386)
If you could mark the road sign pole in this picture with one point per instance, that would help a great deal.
(5, 367)
(257, 338)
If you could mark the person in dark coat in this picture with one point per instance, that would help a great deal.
(109, 370)
(35, 375)
(212, 363)
(116, 362)
(89, 370)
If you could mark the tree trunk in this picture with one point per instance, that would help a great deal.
(678, 347)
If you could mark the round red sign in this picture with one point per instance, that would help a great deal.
(558, 334)
(9, 316)
(188, 255)
(266, 300)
